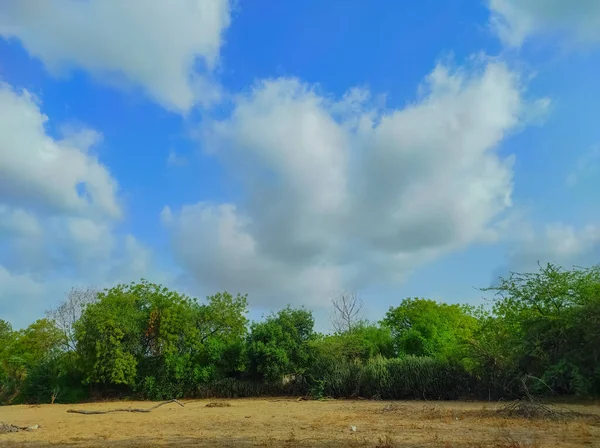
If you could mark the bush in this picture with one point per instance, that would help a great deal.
(392, 379)
(235, 388)
(53, 380)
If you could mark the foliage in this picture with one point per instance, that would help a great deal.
(21, 355)
(363, 342)
(424, 327)
(550, 327)
(393, 378)
(542, 336)
(157, 341)
(281, 344)
(5, 331)
(236, 388)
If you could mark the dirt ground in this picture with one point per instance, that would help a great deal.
(287, 422)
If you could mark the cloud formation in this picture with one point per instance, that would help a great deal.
(339, 193)
(168, 48)
(516, 20)
(59, 208)
(35, 169)
(558, 243)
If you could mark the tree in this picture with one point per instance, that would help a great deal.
(6, 341)
(21, 355)
(155, 340)
(347, 312)
(281, 344)
(551, 322)
(365, 341)
(5, 329)
(424, 327)
(68, 312)
(222, 326)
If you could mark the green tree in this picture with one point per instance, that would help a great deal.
(365, 341)
(281, 344)
(5, 330)
(424, 327)
(6, 341)
(551, 326)
(111, 335)
(21, 355)
(147, 337)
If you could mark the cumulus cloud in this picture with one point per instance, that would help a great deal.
(37, 169)
(516, 20)
(169, 49)
(39, 281)
(213, 244)
(59, 210)
(343, 192)
(558, 243)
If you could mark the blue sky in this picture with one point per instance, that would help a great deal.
(294, 150)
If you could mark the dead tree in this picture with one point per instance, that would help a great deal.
(347, 312)
(69, 311)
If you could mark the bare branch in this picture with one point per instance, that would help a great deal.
(347, 312)
(69, 311)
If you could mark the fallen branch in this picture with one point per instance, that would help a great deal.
(81, 411)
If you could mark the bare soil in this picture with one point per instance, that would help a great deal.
(291, 423)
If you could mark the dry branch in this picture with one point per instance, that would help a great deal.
(347, 312)
(81, 411)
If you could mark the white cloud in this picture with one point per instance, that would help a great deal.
(155, 44)
(213, 243)
(339, 193)
(18, 222)
(39, 279)
(558, 243)
(37, 169)
(20, 295)
(516, 20)
(58, 214)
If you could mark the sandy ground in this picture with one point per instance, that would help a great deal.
(287, 422)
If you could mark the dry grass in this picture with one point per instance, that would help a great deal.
(291, 423)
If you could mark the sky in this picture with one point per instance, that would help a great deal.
(295, 150)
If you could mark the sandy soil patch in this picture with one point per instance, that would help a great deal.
(287, 422)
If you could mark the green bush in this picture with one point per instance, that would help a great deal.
(235, 388)
(410, 377)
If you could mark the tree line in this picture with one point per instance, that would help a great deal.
(540, 335)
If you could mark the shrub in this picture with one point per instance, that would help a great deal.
(235, 388)
(392, 378)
